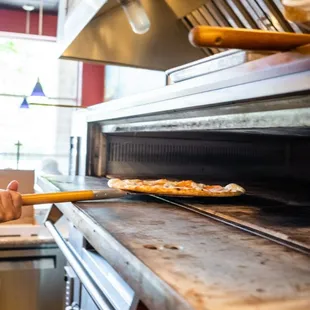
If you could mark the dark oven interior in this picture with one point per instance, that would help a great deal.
(273, 167)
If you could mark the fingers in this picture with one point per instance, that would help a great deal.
(16, 197)
(6, 206)
(10, 205)
(13, 186)
(17, 203)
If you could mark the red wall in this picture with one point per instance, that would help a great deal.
(92, 75)
(93, 84)
(15, 21)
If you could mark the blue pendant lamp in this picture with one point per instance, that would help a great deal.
(38, 90)
(37, 95)
(24, 104)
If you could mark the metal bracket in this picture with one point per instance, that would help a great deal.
(53, 215)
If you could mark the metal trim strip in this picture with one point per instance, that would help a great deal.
(222, 92)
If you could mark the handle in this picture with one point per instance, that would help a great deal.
(74, 306)
(33, 199)
(78, 266)
(224, 37)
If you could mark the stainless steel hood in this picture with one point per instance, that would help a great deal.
(98, 30)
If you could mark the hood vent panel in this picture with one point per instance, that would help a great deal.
(260, 14)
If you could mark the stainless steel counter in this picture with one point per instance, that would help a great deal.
(32, 270)
(31, 274)
(25, 241)
(43, 237)
(175, 259)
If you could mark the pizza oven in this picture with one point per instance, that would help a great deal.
(250, 128)
(268, 166)
(238, 124)
(246, 123)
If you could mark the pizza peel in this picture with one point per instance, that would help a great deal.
(82, 195)
(247, 39)
(71, 196)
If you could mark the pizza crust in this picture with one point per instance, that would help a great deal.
(176, 188)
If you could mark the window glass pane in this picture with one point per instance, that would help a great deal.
(44, 132)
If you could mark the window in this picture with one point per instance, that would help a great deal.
(44, 132)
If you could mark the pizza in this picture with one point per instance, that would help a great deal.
(176, 188)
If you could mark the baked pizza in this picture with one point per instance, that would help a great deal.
(176, 188)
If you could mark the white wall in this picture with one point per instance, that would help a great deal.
(125, 81)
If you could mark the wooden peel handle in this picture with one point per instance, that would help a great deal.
(36, 199)
(223, 37)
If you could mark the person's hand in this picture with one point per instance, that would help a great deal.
(10, 203)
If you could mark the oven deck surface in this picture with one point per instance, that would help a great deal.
(176, 259)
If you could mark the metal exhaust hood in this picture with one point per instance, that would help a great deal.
(99, 31)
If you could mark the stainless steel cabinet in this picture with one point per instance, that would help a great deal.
(32, 278)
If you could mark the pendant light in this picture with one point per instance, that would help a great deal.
(38, 98)
(37, 95)
(136, 15)
(24, 104)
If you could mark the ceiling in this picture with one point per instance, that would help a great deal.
(48, 5)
